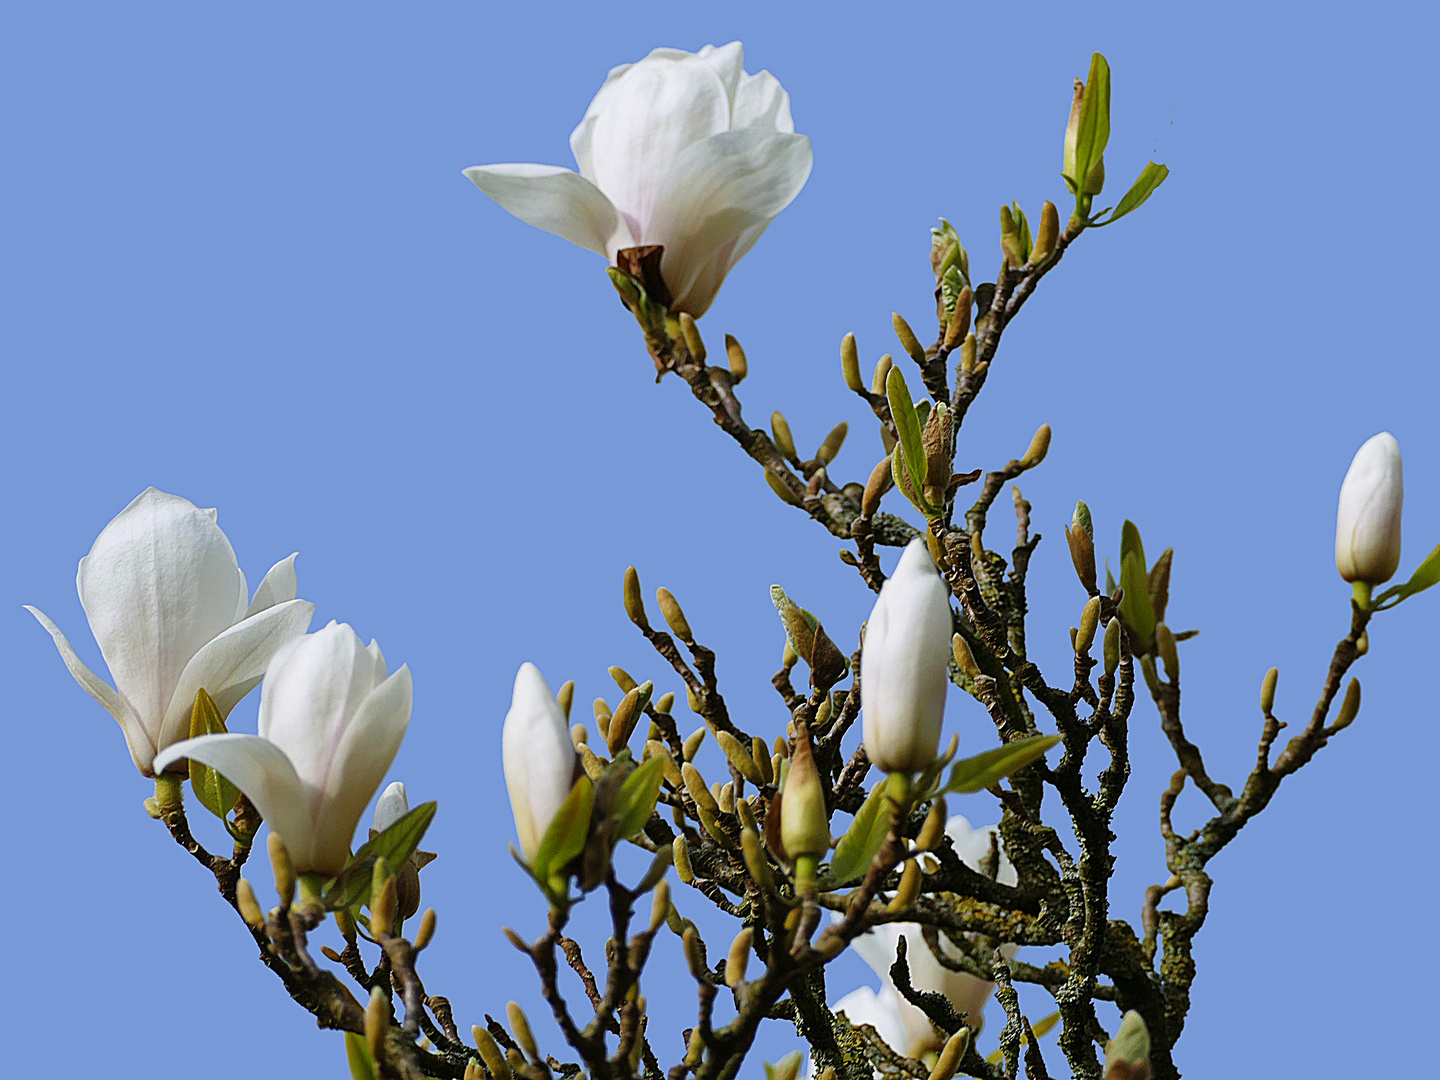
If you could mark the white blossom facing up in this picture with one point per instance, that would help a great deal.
(913, 1033)
(539, 757)
(331, 722)
(904, 665)
(169, 608)
(1367, 526)
(684, 150)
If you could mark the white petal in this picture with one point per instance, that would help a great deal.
(650, 116)
(312, 690)
(142, 750)
(904, 665)
(728, 62)
(761, 102)
(712, 275)
(376, 655)
(232, 665)
(278, 586)
(556, 200)
(159, 583)
(539, 757)
(716, 190)
(242, 594)
(877, 948)
(1367, 529)
(261, 770)
(974, 847)
(390, 807)
(361, 758)
(881, 1011)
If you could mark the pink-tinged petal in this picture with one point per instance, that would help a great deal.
(278, 586)
(714, 192)
(650, 115)
(261, 770)
(232, 665)
(362, 757)
(761, 102)
(142, 749)
(160, 582)
(556, 200)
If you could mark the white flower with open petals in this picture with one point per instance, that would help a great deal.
(967, 993)
(169, 608)
(331, 722)
(683, 150)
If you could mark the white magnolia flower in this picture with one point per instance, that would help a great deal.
(169, 608)
(390, 807)
(904, 665)
(539, 757)
(908, 1029)
(1367, 528)
(331, 722)
(684, 150)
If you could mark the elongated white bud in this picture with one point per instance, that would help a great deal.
(1367, 527)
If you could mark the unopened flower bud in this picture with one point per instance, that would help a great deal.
(694, 950)
(934, 828)
(683, 869)
(695, 785)
(908, 341)
(691, 335)
(1349, 708)
(660, 901)
(282, 868)
(948, 1063)
(1089, 620)
(520, 1028)
(850, 364)
(691, 746)
(634, 603)
(760, 754)
(784, 441)
(426, 933)
(908, 889)
(967, 353)
(1047, 235)
(964, 658)
(739, 756)
(1039, 447)
(674, 615)
(1267, 691)
(565, 697)
(833, 442)
(739, 366)
(1367, 528)
(491, 1054)
(959, 325)
(622, 679)
(755, 860)
(1112, 646)
(1127, 1056)
(377, 1019)
(1165, 642)
(247, 905)
(804, 825)
(882, 373)
(1010, 242)
(875, 488)
(739, 958)
(1080, 536)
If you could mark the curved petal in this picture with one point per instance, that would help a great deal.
(311, 691)
(728, 62)
(277, 586)
(712, 275)
(538, 757)
(142, 750)
(877, 948)
(556, 200)
(716, 190)
(390, 807)
(261, 770)
(650, 116)
(362, 756)
(761, 102)
(232, 665)
(974, 846)
(160, 581)
(241, 596)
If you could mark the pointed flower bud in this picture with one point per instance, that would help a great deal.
(850, 364)
(539, 757)
(804, 826)
(391, 807)
(908, 341)
(903, 667)
(1127, 1056)
(634, 602)
(1367, 527)
(780, 429)
(739, 366)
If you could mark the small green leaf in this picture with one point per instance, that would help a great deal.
(864, 838)
(1130, 542)
(565, 838)
(1094, 134)
(1158, 583)
(215, 793)
(979, 772)
(1151, 177)
(907, 426)
(1425, 575)
(351, 889)
(357, 1052)
(635, 801)
(1135, 606)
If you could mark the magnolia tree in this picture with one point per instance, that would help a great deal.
(811, 841)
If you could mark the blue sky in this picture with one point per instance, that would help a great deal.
(241, 264)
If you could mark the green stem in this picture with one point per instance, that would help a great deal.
(1362, 594)
(168, 790)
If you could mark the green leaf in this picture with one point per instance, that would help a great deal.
(357, 1052)
(1151, 177)
(1094, 134)
(907, 426)
(351, 888)
(635, 801)
(215, 793)
(979, 772)
(1425, 575)
(565, 838)
(1130, 542)
(1135, 606)
(864, 838)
